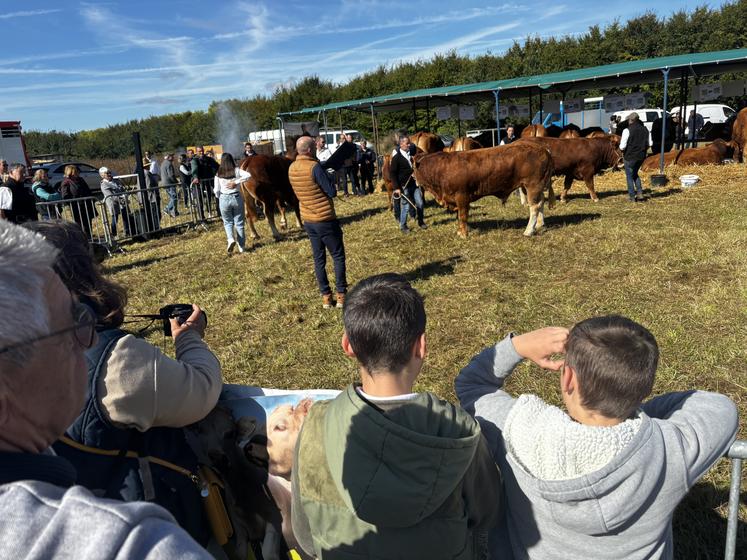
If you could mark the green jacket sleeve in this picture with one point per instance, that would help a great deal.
(299, 519)
(482, 489)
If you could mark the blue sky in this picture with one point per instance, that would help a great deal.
(80, 65)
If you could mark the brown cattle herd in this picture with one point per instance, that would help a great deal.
(465, 171)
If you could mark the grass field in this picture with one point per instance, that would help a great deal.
(676, 264)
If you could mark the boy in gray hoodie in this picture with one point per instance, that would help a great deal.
(602, 478)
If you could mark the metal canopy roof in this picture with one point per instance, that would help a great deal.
(602, 77)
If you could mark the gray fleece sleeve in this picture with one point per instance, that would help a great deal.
(706, 424)
(479, 387)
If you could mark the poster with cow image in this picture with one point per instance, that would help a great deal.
(249, 440)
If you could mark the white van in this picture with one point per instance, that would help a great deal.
(332, 136)
(647, 116)
(711, 113)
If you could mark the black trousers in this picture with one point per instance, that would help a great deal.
(327, 236)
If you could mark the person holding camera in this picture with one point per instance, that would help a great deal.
(128, 441)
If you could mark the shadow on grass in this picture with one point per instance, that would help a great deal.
(551, 222)
(113, 269)
(698, 530)
(434, 268)
(658, 192)
(358, 216)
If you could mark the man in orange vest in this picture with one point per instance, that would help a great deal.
(315, 191)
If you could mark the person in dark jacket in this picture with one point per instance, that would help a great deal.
(185, 176)
(138, 399)
(400, 171)
(366, 161)
(510, 136)
(203, 170)
(17, 204)
(74, 187)
(634, 145)
(669, 133)
(168, 180)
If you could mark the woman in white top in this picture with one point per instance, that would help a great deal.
(231, 203)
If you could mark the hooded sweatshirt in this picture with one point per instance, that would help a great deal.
(577, 491)
(410, 479)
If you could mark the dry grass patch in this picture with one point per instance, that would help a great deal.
(676, 263)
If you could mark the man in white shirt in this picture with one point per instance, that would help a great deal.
(323, 153)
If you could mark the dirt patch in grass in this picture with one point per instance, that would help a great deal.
(676, 263)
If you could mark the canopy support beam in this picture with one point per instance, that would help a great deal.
(664, 120)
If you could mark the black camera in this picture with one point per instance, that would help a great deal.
(178, 311)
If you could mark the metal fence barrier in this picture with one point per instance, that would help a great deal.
(737, 453)
(136, 212)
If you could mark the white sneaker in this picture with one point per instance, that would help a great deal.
(241, 249)
(231, 245)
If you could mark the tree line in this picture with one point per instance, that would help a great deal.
(646, 36)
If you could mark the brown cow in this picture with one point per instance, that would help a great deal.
(714, 153)
(533, 131)
(427, 141)
(739, 135)
(270, 186)
(463, 144)
(458, 178)
(580, 158)
(570, 133)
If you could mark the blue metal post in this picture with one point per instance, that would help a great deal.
(664, 120)
(497, 95)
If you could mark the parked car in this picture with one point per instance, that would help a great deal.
(647, 116)
(56, 172)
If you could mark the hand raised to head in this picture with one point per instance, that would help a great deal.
(539, 345)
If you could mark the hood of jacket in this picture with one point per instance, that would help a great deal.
(396, 469)
(590, 479)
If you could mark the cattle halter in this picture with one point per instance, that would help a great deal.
(397, 196)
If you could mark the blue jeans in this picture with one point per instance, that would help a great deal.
(173, 199)
(416, 195)
(634, 181)
(232, 211)
(327, 236)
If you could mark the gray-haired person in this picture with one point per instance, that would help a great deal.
(115, 197)
(42, 389)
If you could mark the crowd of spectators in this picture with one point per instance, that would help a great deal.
(94, 461)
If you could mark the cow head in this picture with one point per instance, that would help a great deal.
(615, 155)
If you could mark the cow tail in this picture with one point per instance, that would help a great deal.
(548, 181)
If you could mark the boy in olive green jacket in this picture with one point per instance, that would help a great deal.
(381, 471)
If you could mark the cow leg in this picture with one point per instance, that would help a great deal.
(463, 215)
(299, 222)
(567, 184)
(536, 204)
(270, 213)
(522, 196)
(250, 213)
(590, 185)
(281, 210)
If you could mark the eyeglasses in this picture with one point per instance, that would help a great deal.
(84, 329)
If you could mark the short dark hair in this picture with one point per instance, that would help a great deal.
(383, 316)
(615, 361)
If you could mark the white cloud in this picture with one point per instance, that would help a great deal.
(29, 13)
